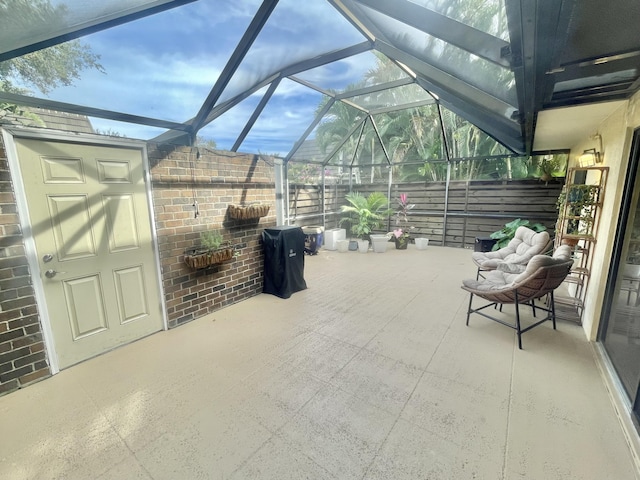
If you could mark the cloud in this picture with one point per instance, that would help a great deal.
(164, 66)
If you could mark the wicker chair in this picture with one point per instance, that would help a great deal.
(542, 275)
(523, 246)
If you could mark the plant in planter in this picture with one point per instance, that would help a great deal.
(576, 206)
(551, 166)
(506, 233)
(364, 214)
(401, 234)
(212, 250)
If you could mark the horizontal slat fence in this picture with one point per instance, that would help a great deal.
(474, 208)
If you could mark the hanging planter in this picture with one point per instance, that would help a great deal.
(213, 250)
(203, 258)
(245, 212)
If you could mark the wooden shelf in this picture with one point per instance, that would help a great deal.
(585, 217)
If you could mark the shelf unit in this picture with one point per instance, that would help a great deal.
(578, 221)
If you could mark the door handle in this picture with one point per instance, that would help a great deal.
(51, 273)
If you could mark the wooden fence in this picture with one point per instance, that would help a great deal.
(473, 208)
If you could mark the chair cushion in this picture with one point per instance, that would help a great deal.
(525, 244)
(507, 276)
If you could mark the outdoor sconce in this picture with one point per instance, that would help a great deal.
(589, 157)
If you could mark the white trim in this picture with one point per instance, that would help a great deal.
(9, 134)
(146, 172)
(30, 249)
(620, 402)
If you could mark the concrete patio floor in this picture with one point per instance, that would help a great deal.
(370, 373)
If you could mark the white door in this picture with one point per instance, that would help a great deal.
(91, 226)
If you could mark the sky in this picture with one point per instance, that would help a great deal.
(164, 66)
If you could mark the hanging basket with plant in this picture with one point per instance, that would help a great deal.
(213, 250)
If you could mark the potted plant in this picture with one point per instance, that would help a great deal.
(506, 233)
(212, 250)
(551, 166)
(364, 214)
(400, 234)
(576, 206)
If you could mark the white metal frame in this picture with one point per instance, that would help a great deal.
(9, 134)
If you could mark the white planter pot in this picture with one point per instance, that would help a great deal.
(422, 243)
(379, 243)
(333, 236)
(342, 246)
(363, 246)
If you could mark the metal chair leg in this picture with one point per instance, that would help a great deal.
(518, 329)
(553, 310)
(469, 309)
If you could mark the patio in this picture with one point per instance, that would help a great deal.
(370, 373)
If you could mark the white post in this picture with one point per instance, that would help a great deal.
(281, 193)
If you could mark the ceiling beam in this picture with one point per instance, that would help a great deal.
(310, 128)
(463, 36)
(90, 111)
(256, 113)
(251, 33)
(93, 25)
(442, 83)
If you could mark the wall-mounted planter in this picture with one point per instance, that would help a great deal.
(246, 212)
(199, 258)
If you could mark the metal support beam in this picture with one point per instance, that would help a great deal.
(343, 141)
(90, 112)
(309, 129)
(251, 33)
(92, 25)
(474, 41)
(377, 132)
(254, 116)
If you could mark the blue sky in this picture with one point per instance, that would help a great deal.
(164, 66)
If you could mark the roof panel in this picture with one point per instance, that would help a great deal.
(392, 97)
(161, 66)
(283, 121)
(25, 23)
(296, 31)
(487, 76)
(347, 74)
(488, 16)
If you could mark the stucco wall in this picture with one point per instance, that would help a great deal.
(616, 132)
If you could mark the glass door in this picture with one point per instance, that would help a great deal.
(620, 331)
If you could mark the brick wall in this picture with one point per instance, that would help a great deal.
(215, 180)
(22, 356)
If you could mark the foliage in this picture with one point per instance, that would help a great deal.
(364, 214)
(46, 69)
(206, 142)
(211, 240)
(506, 233)
(402, 220)
(303, 172)
(577, 204)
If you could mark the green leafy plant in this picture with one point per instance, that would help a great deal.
(211, 240)
(506, 233)
(364, 214)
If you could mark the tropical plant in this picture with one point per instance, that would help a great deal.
(506, 233)
(364, 214)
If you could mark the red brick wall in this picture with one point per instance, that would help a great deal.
(22, 355)
(215, 180)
